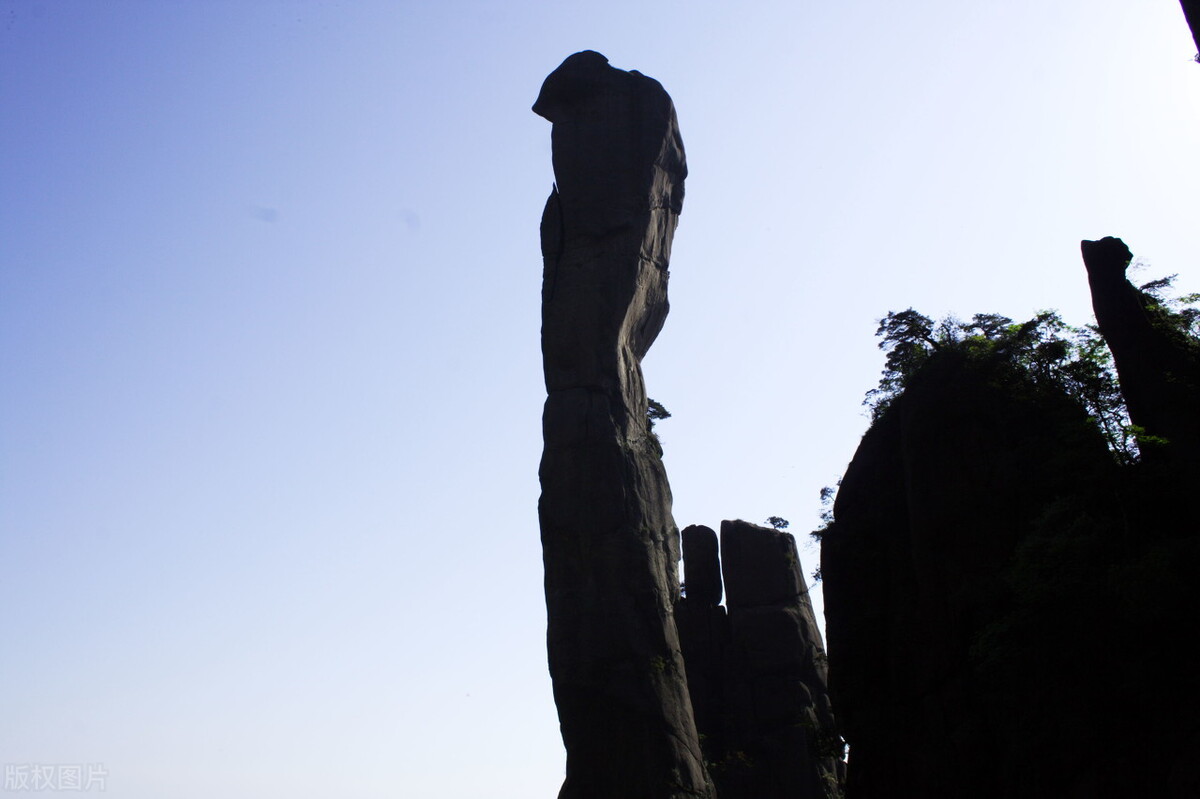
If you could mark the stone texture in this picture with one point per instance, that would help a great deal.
(704, 636)
(610, 545)
(761, 565)
(757, 672)
(777, 706)
(701, 565)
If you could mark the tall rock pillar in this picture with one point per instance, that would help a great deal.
(610, 546)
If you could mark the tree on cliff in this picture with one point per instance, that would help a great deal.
(655, 411)
(1043, 349)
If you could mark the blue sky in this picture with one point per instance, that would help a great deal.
(270, 387)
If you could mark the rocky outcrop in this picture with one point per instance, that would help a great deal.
(610, 545)
(1158, 365)
(757, 669)
(1005, 605)
(945, 488)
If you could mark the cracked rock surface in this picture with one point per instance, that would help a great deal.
(610, 545)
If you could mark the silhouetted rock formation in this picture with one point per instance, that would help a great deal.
(610, 545)
(1005, 604)
(1191, 11)
(930, 511)
(757, 675)
(1159, 367)
(704, 635)
(702, 565)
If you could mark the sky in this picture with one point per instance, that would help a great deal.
(270, 385)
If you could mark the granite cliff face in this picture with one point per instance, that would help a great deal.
(610, 545)
(1005, 604)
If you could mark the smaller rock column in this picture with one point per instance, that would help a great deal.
(756, 672)
(704, 636)
(777, 702)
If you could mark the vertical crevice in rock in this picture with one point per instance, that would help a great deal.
(757, 670)
(777, 704)
(610, 545)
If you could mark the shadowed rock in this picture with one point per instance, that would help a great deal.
(776, 702)
(702, 565)
(987, 553)
(944, 489)
(610, 545)
(704, 635)
(1159, 367)
(1191, 12)
(757, 673)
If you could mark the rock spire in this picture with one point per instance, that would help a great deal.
(610, 545)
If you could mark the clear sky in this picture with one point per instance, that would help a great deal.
(270, 386)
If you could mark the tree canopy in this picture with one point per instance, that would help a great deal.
(1044, 349)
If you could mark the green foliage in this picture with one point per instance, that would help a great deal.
(1173, 315)
(778, 522)
(908, 340)
(1145, 439)
(1044, 349)
(655, 412)
(828, 494)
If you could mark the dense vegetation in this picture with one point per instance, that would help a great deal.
(1044, 350)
